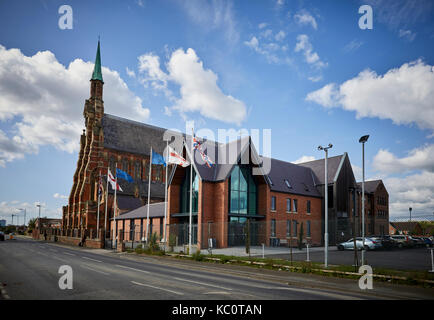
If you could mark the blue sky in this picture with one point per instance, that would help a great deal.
(302, 68)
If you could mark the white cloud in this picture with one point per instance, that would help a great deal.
(303, 44)
(198, 86)
(280, 35)
(304, 159)
(358, 172)
(46, 100)
(315, 78)
(130, 73)
(59, 196)
(353, 45)
(407, 34)
(417, 159)
(305, 18)
(405, 95)
(416, 191)
(262, 25)
(273, 53)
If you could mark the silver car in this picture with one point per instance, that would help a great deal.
(370, 244)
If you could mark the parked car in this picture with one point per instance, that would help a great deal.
(370, 244)
(386, 241)
(403, 241)
(2, 236)
(418, 241)
(427, 242)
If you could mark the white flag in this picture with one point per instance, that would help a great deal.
(113, 182)
(175, 158)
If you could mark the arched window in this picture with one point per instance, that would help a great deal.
(242, 191)
(112, 163)
(125, 165)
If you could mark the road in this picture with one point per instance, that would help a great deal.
(29, 270)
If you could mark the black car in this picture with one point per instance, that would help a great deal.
(387, 242)
(2, 236)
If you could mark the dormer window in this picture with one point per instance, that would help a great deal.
(288, 184)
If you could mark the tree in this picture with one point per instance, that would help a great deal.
(300, 237)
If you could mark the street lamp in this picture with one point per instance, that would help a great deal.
(39, 219)
(409, 209)
(362, 140)
(326, 227)
(24, 215)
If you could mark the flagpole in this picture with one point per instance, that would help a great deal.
(106, 201)
(114, 204)
(191, 193)
(149, 195)
(165, 193)
(97, 218)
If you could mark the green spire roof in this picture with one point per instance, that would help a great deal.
(97, 74)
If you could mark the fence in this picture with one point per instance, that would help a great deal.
(418, 218)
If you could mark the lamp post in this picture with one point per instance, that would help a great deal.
(326, 227)
(39, 219)
(409, 209)
(362, 140)
(24, 215)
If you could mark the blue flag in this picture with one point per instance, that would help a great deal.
(157, 158)
(123, 175)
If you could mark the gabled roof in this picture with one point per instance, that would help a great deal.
(405, 226)
(370, 186)
(128, 202)
(317, 166)
(135, 137)
(300, 178)
(156, 210)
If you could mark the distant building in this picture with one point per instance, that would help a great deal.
(2, 223)
(48, 223)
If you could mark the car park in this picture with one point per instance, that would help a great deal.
(403, 241)
(386, 241)
(370, 244)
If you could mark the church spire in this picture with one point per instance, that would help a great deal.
(97, 74)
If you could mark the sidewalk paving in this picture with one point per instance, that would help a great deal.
(257, 251)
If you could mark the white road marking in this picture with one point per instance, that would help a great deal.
(134, 269)
(217, 292)
(69, 254)
(91, 259)
(203, 283)
(86, 267)
(148, 285)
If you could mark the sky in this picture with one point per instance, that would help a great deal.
(304, 69)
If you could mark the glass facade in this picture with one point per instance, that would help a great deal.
(185, 192)
(242, 191)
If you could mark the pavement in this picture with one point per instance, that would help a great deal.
(413, 259)
(30, 270)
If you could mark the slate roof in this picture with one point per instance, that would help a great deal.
(301, 179)
(405, 226)
(128, 202)
(317, 166)
(370, 186)
(135, 137)
(156, 210)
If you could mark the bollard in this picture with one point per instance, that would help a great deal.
(263, 250)
(307, 250)
(432, 261)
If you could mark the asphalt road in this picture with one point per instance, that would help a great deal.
(29, 270)
(402, 259)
